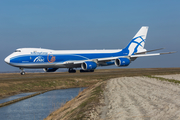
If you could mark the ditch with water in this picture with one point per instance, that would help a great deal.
(37, 107)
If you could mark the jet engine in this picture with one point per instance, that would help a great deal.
(122, 62)
(50, 69)
(88, 65)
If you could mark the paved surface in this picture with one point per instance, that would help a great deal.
(136, 98)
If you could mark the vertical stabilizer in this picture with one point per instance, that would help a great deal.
(137, 43)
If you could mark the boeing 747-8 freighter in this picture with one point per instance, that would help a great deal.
(87, 60)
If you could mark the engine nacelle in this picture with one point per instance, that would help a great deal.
(50, 69)
(88, 65)
(122, 62)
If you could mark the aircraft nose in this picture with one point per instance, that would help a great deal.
(7, 60)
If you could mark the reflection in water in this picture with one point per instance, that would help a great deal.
(16, 97)
(38, 107)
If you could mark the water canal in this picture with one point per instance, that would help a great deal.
(37, 107)
(16, 97)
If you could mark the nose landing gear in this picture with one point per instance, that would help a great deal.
(22, 71)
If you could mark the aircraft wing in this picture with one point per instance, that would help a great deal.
(113, 58)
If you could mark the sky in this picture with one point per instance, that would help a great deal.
(90, 24)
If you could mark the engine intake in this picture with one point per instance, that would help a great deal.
(122, 62)
(88, 65)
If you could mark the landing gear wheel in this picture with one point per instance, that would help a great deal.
(71, 70)
(22, 73)
(86, 70)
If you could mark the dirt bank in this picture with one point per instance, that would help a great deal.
(83, 106)
(132, 98)
(174, 76)
(136, 98)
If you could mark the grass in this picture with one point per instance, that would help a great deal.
(164, 79)
(13, 83)
(93, 100)
(78, 108)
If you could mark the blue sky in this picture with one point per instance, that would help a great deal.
(93, 24)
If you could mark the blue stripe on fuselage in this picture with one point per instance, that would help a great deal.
(29, 58)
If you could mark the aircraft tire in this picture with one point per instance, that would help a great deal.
(22, 73)
(86, 70)
(72, 71)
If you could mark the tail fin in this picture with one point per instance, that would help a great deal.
(137, 43)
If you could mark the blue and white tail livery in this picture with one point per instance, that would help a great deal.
(87, 60)
(137, 43)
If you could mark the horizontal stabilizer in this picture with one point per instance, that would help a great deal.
(168, 53)
(148, 51)
(154, 50)
(153, 54)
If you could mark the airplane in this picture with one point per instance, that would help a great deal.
(87, 60)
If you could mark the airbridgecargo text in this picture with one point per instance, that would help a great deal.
(39, 53)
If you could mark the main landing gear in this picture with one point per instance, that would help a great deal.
(86, 70)
(71, 70)
(22, 71)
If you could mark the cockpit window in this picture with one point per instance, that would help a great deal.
(18, 51)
